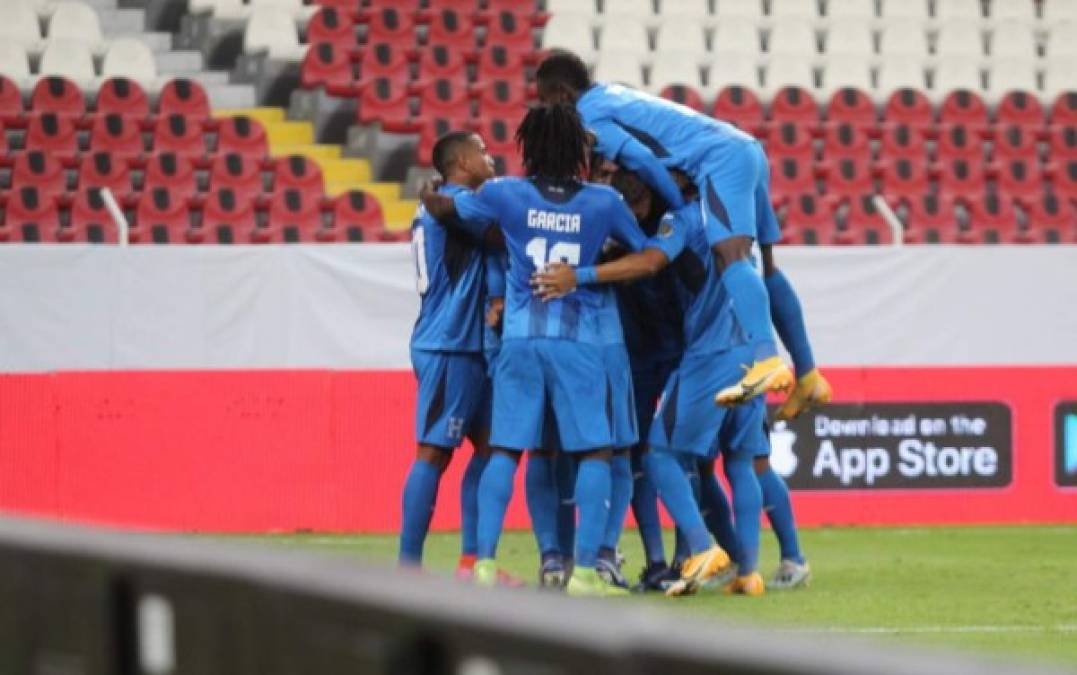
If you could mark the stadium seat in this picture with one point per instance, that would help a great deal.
(740, 106)
(179, 134)
(12, 108)
(502, 98)
(445, 99)
(1013, 40)
(1063, 176)
(14, 64)
(572, 32)
(450, 26)
(169, 170)
(19, 27)
(298, 172)
(686, 96)
(385, 60)
(1056, 11)
(121, 96)
(734, 70)
(1051, 220)
(384, 101)
(897, 72)
(1058, 77)
(244, 135)
(584, 7)
(1010, 11)
(849, 37)
(850, 9)
(220, 9)
(433, 128)
(1020, 108)
(620, 67)
(623, 34)
(118, 136)
(903, 36)
(1062, 40)
(958, 141)
(846, 71)
(681, 35)
(162, 216)
(847, 176)
(844, 139)
(791, 35)
(227, 218)
(699, 10)
(965, 10)
(442, 62)
(851, 106)
(752, 9)
(904, 9)
(71, 60)
(75, 22)
(965, 108)
(795, 104)
(904, 177)
(736, 34)
(334, 26)
(930, 219)
(1015, 142)
(272, 30)
(133, 59)
(955, 73)
(790, 139)
(641, 10)
(961, 177)
(862, 225)
(1064, 109)
(794, 9)
(1063, 143)
(992, 220)
(902, 141)
(103, 170)
(39, 169)
(518, 7)
(237, 172)
(959, 38)
(791, 176)
(1019, 177)
(909, 107)
(90, 221)
(58, 95)
(1011, 75)
(183, 96)
(807, 220)
(294, 216)
(30, 216)
(329, 67)
(510, 32)
(498, 63)
(53, 134)
(300, 12)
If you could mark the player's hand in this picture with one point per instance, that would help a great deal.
(494, 312)
(429, 187)
(556, 281)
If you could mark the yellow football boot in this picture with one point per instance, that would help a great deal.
(698, 569)
(812, 390)
(750, 584)
(767, 375)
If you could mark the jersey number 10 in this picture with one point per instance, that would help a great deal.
(561, 252)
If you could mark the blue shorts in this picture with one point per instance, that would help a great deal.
(649, 376)
(688, 421)
(625, 418)
(451, 390)
(572, 382)
(735, 195)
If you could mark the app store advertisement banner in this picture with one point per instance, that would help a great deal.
(896, 446)
(1066, 444)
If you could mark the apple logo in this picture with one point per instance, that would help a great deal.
(782, 457)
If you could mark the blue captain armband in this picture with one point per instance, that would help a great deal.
(586, 276)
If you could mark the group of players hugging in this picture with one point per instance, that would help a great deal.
(605, 314)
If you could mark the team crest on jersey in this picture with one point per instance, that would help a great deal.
(665, 229)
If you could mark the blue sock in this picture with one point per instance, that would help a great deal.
(566, 506)
(469, 504)
(620, 498)
(751, 306)
(779, 510)
(667, 474)
(542, 500)
(420, 492)
(717, 513)
(788, 319)
(645, 510)
(747, 508)
(495, 491)
(592, 496)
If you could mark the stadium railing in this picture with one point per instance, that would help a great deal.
(78, 601)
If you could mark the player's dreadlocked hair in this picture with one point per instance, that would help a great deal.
(553, 142)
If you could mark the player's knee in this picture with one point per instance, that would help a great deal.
(729, 251)
(439, 457)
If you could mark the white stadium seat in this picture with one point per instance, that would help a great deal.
(70, 59)
(587, 7)
(1016, 10)
(899, 71)
(1009, 75)
(220, 9)
(957, 72)
(19, 25)
(624, 33)
(572, 32)
(1012, 39)
(75, 21)
(1058, 77)
(130, 58)
(905, 9)
(296, 8)
(273, 30)
(696, 8)
(1062, 42)
(42, 8)
(14, 63)
(672, 67)
(959, 38)
(642, 10)
(966, 10)
(846, 72)
(736, 34)
(903, 36)
(792, 36)
(680, 34)
(850, 9)
(731, 69)
(797, 9)
(849, 36)
(1059, 10)
(749, 8)
(789, 70)
(620, 67)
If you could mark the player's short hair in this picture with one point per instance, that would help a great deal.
(553, 142)
(630, 185)
(563, 68)
(447, 149)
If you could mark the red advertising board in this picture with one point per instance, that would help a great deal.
(328, 450)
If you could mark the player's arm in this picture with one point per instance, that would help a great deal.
(618, 145)
(473, 212)
(495, 288)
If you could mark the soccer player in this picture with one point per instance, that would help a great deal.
(447, 353)
(552, 354)
(649, 135)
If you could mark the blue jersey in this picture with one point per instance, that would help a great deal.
(710, 324)
(496, 266)
(449, 270)
(679, 137)
(554, 221)
(652, 316)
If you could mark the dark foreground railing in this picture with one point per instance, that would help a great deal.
(76, 601)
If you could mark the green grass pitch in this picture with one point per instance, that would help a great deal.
(1010, 590)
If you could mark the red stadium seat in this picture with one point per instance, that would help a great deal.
(992, 220)
(1019, 178)
(58, 95)
(227, 218)
(451, 26)
(848, 176)
(90, 221)
(794, 104)
(498, 63)
(185, 97)
(1063, 142)
(904, 177)
(508, 164)
(909, 107)
(179, 134)
(161, 217)
(863, 225)
(352, 7)
(1021, 109)
(1051, 220)
(903, 141)
(38, 169)
(237, 172)
(468, 7)
(845, 139)
(244, 135)
(335, 26)
(957, 141)
(502, 98)
(385, 101)
(930, 219)
(790, 140)
(298, 172)
(685, 95)
(391, 24)
(791, 176)
(54, 134)
(30, 216)
(510, 31)
(11, 104)
(852, 106)
(1064, 109)
(294, 216)
(964, 108)
(103, 170)
(117, 135)
(442, 62)
(445, 99)
(328, 66)
(523, 8)
(357, 216)
(1064, 178)
(740, 106)
(385, 60)
(169, 170)
(498, 134)
(1015, 141)
(808, 220)
(962, 177)
(122, 96)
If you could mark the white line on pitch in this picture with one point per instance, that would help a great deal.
(887, 630)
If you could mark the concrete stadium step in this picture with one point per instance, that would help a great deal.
(120, 21)
(290, 133)
(385, 192)
(228, 95)
(347, 171)
(318, 153)
(264, 115)
(399, 214)
(159, 43)
(180, 61)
